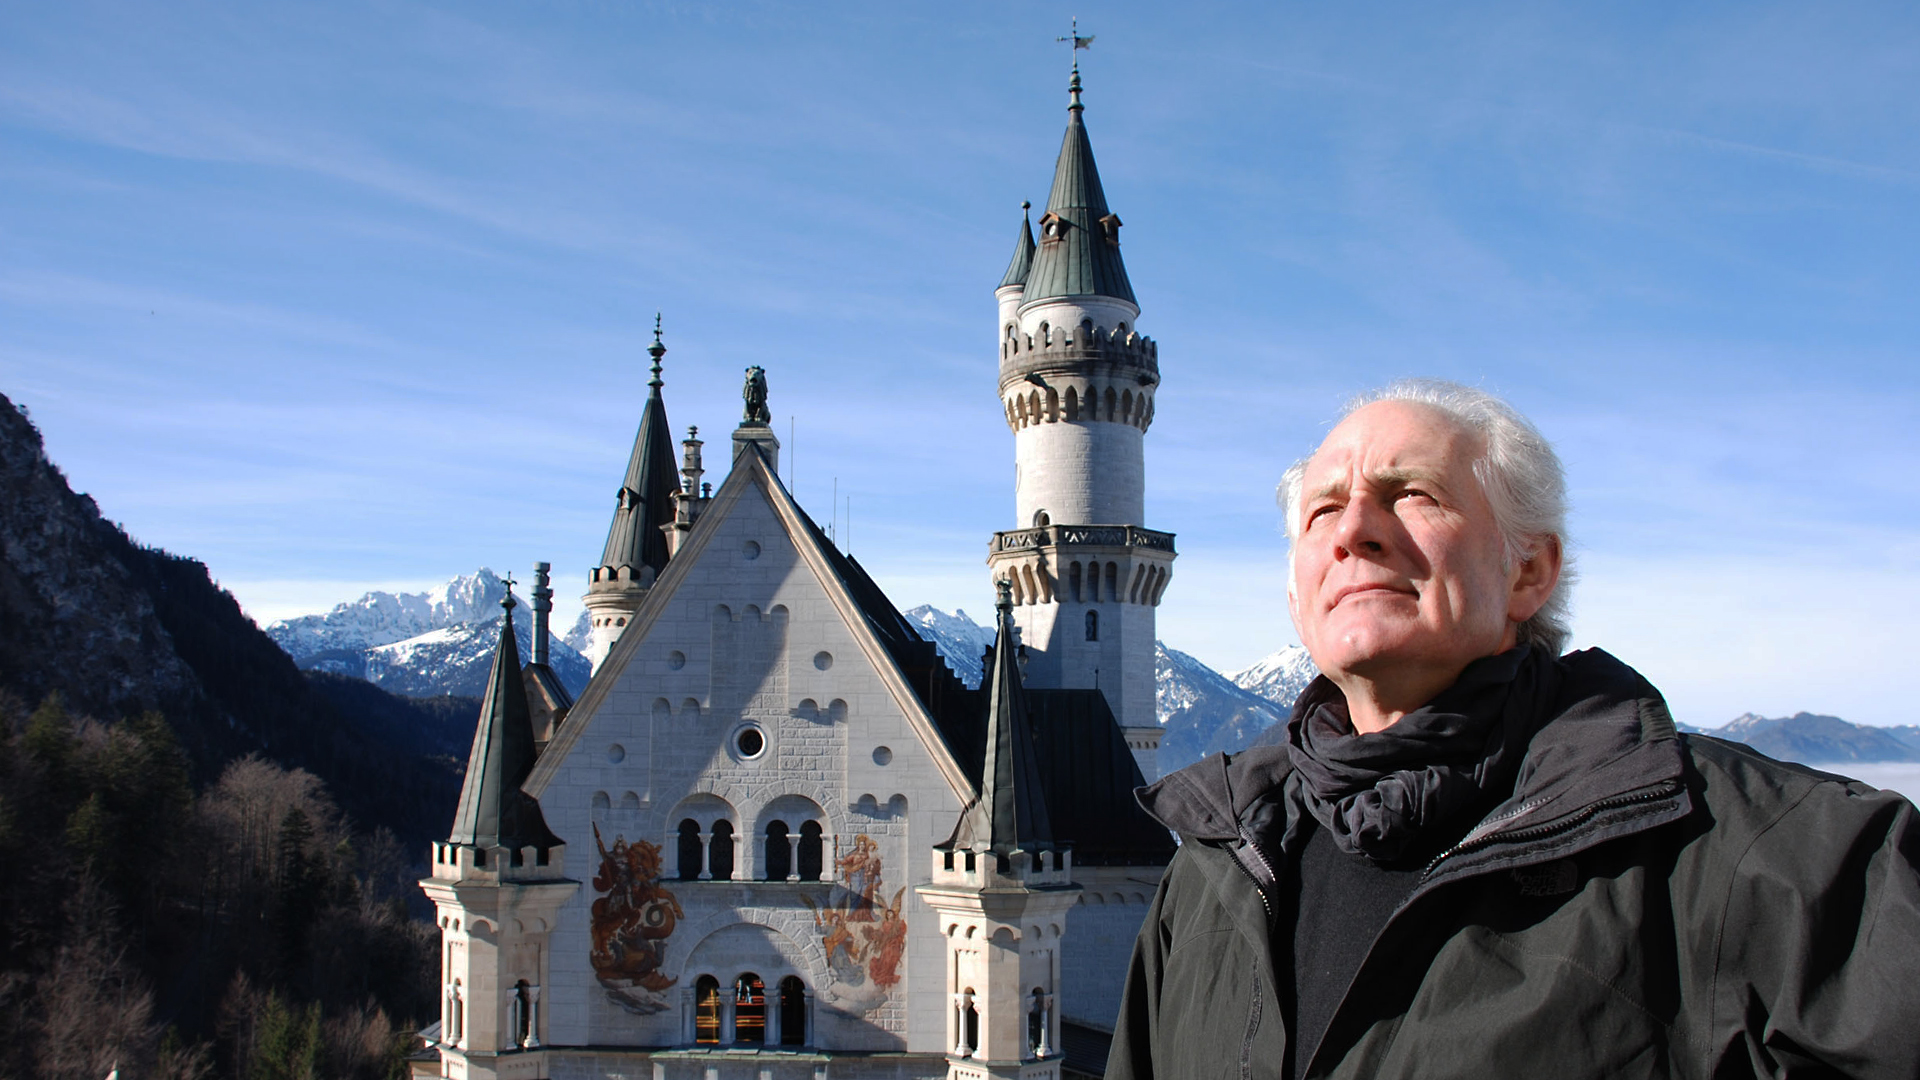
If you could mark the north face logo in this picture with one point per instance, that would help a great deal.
(1557, 878)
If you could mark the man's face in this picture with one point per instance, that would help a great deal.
(1397, 566)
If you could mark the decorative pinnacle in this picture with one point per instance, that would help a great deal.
(656, 350)
(508, 601)
(1004, 603)
(1073, 86)
(1025, 206)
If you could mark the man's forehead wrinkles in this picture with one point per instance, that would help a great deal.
(1376, 476)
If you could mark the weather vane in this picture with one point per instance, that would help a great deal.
(1078, 41)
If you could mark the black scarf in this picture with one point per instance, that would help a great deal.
(1391, 792)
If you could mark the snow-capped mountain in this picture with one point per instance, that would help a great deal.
(581, 635)
(960, 640)
(456, 660)
(421, 644)
(1202, 711)
(382, 618)
(1279, 676)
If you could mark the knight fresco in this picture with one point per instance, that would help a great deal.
(631, 922)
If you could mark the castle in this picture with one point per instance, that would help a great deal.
(776, 836)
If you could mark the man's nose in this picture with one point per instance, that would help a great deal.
(1362, 528)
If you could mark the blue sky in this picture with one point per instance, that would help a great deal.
(356, 295)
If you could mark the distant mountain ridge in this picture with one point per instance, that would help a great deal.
(422, 644)
(961, 641)
(1815, 739)
(1200, 710)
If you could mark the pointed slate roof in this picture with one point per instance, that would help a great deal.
(1022, 252)
(1079, 253)
(493, 811)
(1010, 813)
(645, 499)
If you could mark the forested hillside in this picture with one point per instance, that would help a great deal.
(210, 853)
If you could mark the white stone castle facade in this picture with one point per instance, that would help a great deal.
(775, 836)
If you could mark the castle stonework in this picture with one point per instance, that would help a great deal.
(776, 836)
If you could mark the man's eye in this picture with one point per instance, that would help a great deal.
(1413, 493)
(1319, 512)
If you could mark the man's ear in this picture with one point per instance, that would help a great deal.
(1534, 579)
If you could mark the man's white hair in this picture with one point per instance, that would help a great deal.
(1520, 474)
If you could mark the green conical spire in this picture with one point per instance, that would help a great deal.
(1010, 813)
(493, 811)
(1079, 252)
(1022, 251)
(645, 498)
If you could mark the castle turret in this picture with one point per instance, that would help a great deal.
(1077, 382)
(644, 509)
(1002, 888)
(497, 888)
(547, 698)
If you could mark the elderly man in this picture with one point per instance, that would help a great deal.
(1477, 857)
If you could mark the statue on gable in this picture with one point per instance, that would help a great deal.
(755, 391)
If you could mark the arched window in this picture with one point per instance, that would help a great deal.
(522, 1013)
(779, 860)
(706, 1009)
(793, 1011)
(749, 1009)
(720, 851)
(810, 851)
(690, 850)
(972, 1018)
(1113, 589)
(1041, 520)
(1093, 626)
(1036, 1019)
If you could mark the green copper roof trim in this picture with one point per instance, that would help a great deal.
(1022, 252)
(1079, 251)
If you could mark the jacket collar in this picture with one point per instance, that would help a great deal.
(1606, 763)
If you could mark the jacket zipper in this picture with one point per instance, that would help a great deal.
(1488, 832)
(1265, 864)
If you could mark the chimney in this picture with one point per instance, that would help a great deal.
(542, 608)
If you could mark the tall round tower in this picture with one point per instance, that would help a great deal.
(1077, 382)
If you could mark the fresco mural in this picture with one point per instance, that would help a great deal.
(631, 922)
(863, 933)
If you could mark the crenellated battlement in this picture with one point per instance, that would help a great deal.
(1066, 349)
(465, 862)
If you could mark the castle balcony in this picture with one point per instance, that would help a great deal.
(1084, 564)
(1104, 536)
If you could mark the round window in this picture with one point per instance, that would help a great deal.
(750, 741)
